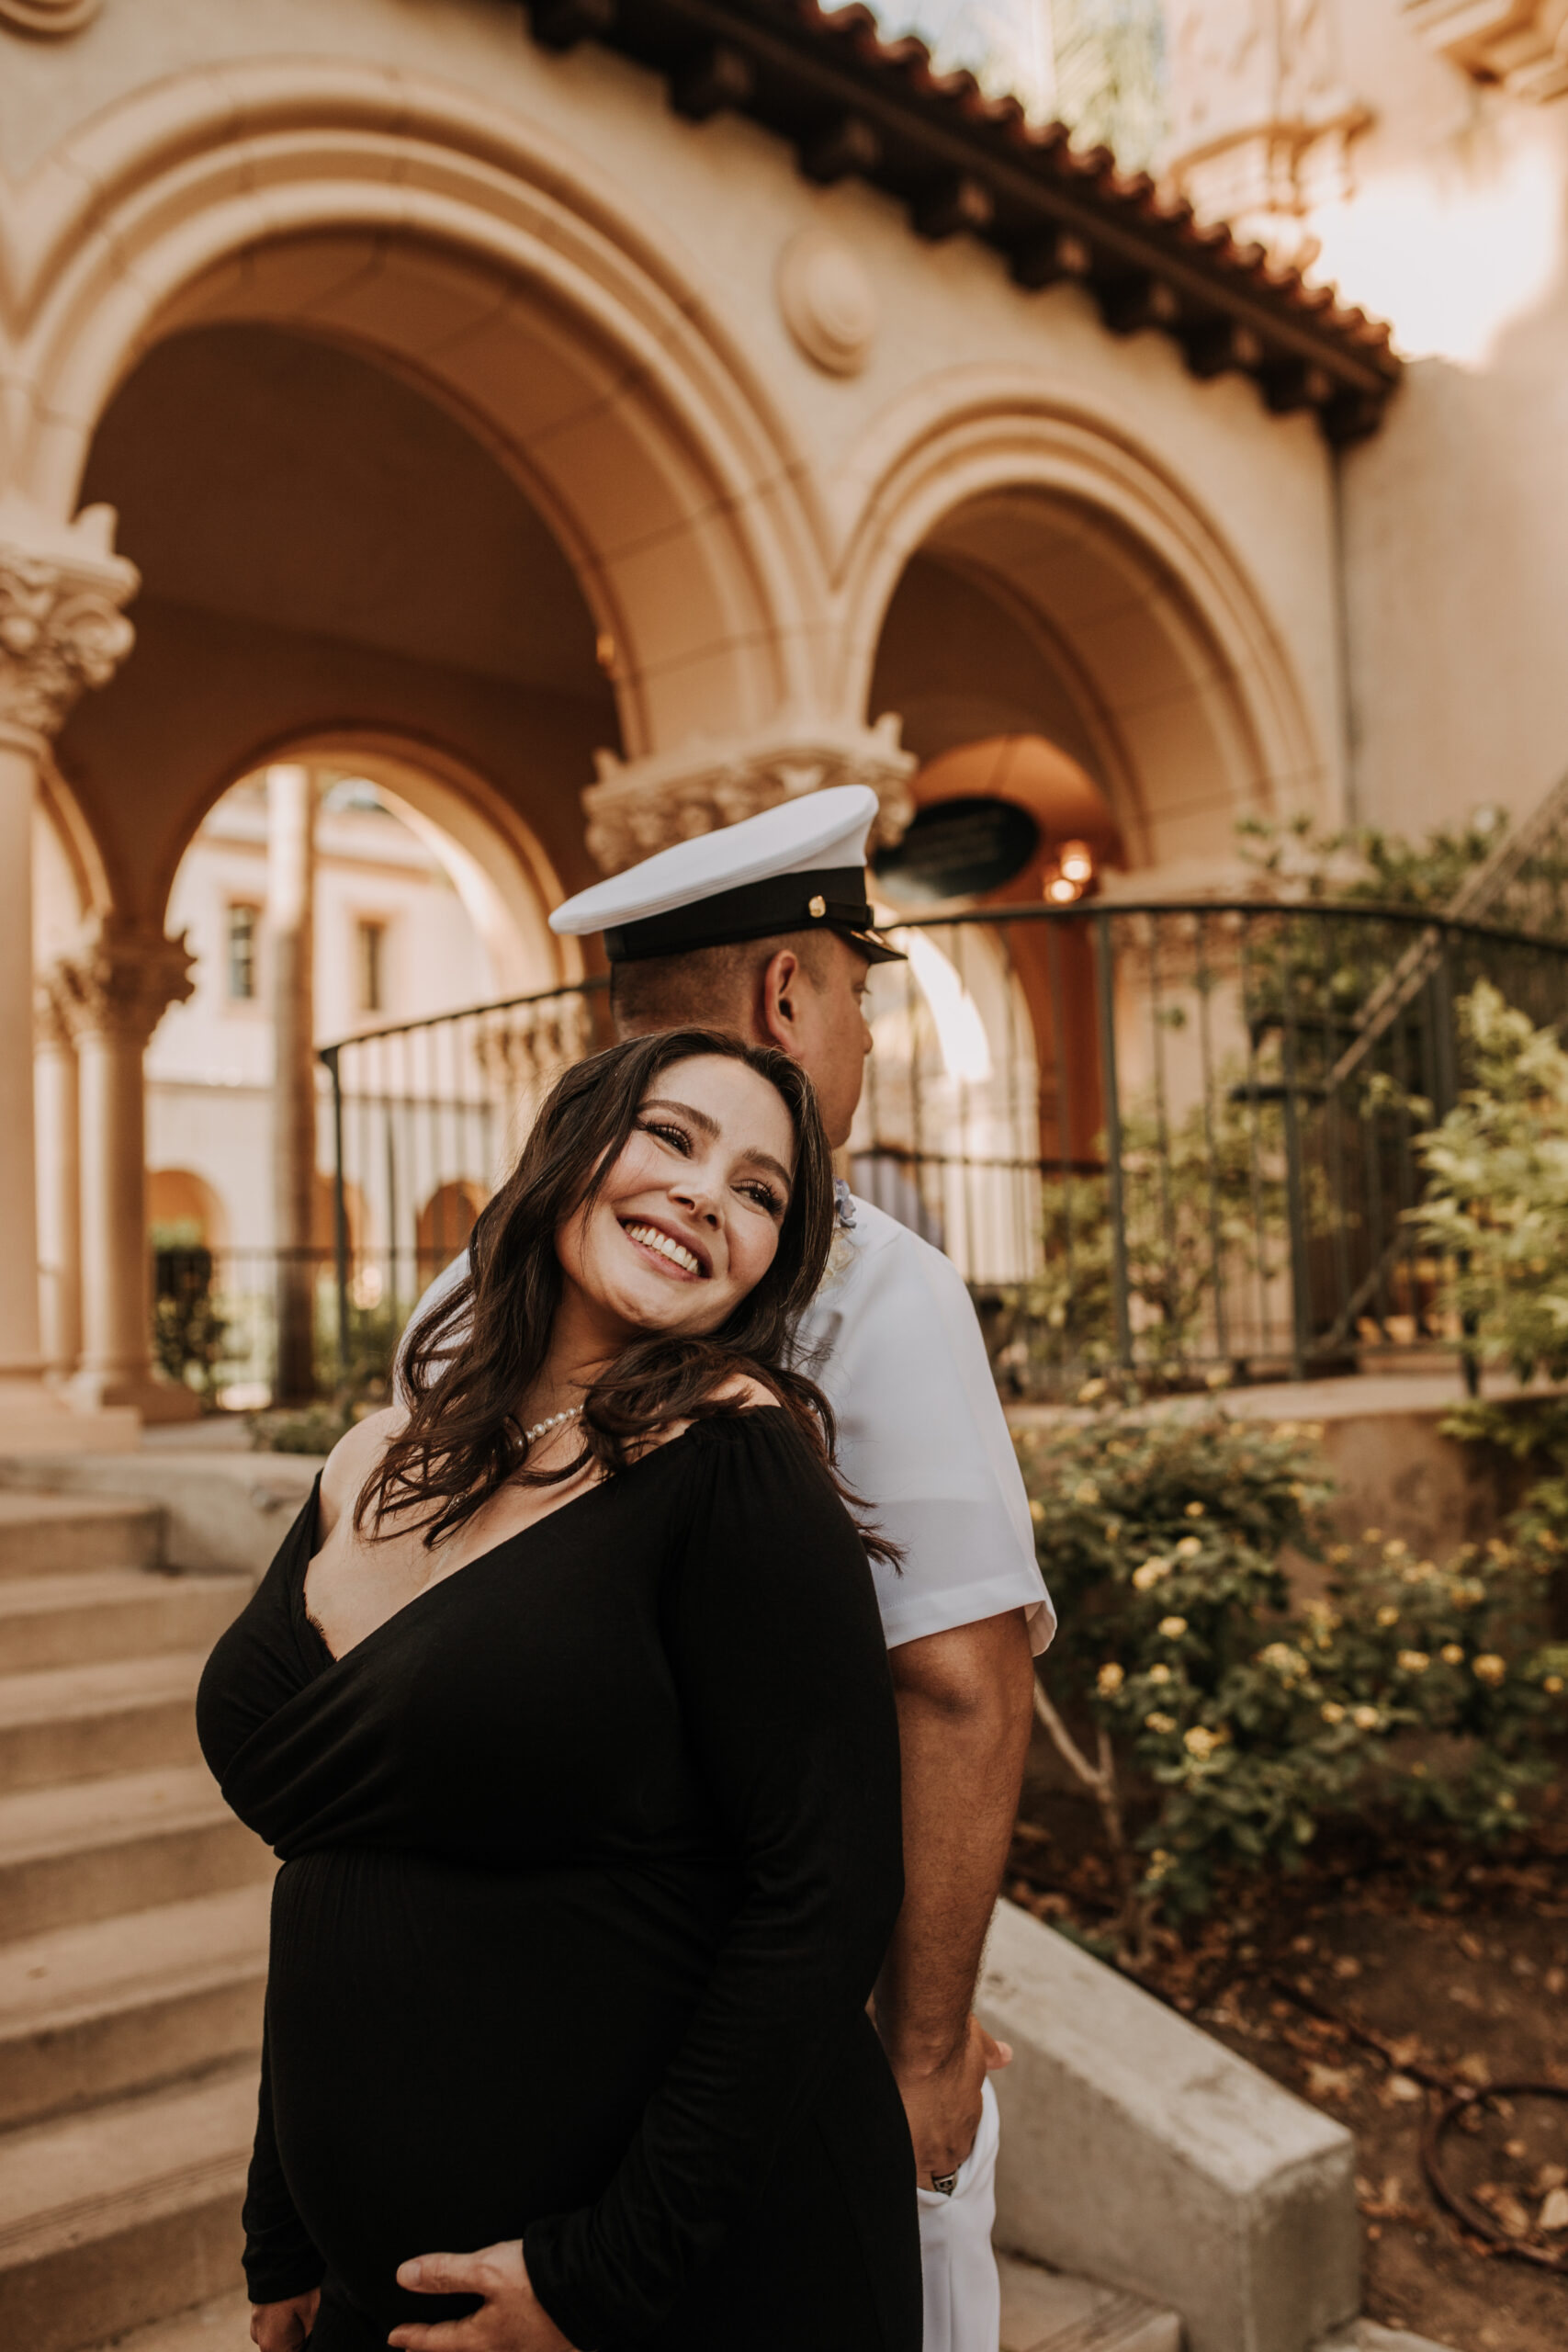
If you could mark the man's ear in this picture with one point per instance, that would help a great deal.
(780, 1013)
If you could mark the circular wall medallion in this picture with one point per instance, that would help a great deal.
(55, 16)
(958, 849)
(828, 302)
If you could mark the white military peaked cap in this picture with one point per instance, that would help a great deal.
(800, 866)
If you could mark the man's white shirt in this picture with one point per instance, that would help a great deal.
(892, 1341)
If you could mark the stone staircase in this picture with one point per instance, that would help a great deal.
(132, 1937)
(133, 1914)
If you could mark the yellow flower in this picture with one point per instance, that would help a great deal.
(1395, 1549)
(1554, 1683)
(1173, 1628)
(1153, 1572)
(1092, 1391)
(1156, 1722)
(1451, 1654)
(1194, 1510)
(1388, 1615)
(1189, 1547)
(1200, 1742)
(1159, 1864)
(1339, 1553)
(1112, 1530)
(1110, 1679)
(1489, 1667)
(1283, 1659)
(1298, 1493)
(1371, 1534)
(1037, 1512)
(1333, 1712)
(1087, 1493)
(1160, 1674)
(1413, 1661)
(1365, 1718)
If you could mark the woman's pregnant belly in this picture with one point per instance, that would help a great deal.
(457, 2051)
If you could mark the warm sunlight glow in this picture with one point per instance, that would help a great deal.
(1450, 267)
(960, 1033)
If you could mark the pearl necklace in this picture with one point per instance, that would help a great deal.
(541, 1428)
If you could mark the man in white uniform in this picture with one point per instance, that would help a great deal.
(765, 928)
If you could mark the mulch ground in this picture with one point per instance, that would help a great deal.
(1391, 1958)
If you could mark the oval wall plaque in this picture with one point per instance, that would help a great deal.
(958, 849)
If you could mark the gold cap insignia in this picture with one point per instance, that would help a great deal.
(817, 906)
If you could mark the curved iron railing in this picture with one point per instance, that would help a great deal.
(1176, 1137)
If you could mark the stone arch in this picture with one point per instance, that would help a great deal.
(496, 861)
(180, 1196)
(493, 266)
(1188, 708)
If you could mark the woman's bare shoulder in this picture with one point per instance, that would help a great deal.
(351, 1462)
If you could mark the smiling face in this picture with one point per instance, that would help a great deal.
(686, 1223)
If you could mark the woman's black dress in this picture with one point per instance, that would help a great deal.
(590, 1856)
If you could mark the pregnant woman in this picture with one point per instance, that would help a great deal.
(566, 1705)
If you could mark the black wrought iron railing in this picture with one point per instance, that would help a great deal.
(1177, 1140)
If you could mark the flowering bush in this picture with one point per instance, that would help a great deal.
(1249, 1717)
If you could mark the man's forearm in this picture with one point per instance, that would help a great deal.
(964, 1714)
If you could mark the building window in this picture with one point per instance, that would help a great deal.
(370, 964)
(244, 927)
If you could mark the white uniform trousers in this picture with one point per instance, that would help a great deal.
(962, 2292)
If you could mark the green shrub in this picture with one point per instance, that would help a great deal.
(1246, 1718)
(1495, 1211)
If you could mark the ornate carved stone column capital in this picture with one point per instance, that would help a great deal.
(121, 980)
(640, 806)
(1523, 44)
(61, 624)
(1262, 123)
(51, 1023)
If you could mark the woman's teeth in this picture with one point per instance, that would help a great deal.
(676, 1251)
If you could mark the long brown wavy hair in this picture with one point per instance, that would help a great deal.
(473, 1358)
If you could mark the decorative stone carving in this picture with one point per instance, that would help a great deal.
(1262, 124)
(52, 1022)
(1523, 44)
(121, 980)
(828, 302)
(641, 806)
(52, 18)
(61, 624)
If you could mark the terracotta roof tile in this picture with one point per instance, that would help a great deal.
(852, 102)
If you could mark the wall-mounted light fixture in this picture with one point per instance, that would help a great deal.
(1070, 873)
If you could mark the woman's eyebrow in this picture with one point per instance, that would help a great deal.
(699, 1119)
(765, 1159)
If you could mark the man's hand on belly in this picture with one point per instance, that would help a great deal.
(511, 2318)
(285, 2327)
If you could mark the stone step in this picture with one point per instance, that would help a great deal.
(61, 1535)
(94, 1616)
(80, 1723)
(124, 2215)
(1049, 2311)
(88, 1851)
(99, 2012)
(223, 2326)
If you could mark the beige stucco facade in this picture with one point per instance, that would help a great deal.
(601, 477)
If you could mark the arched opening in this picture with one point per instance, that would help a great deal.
(445, 1221)
(184, 1211)
(379, 919)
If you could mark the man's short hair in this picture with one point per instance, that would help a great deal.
(706, 987)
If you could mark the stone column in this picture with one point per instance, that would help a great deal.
(59, 1182)
(60, 629)
(291, 945)
(640, 806)
(115, 992)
